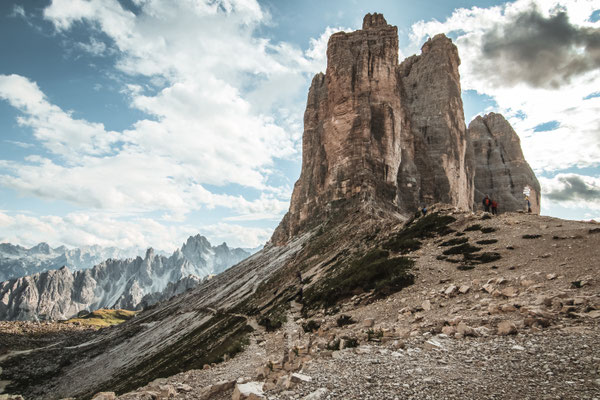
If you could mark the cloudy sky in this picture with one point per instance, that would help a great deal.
(140, 122)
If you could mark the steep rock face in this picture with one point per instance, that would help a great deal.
(437, 162)
(378, 131)
(128, 284)
(501, 170)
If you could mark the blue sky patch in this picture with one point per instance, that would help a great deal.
(547, 126)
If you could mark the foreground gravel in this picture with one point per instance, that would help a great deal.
(552, 365)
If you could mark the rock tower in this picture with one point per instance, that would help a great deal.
(501, 170)
(379, 131)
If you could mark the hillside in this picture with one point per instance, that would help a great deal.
(522, 325)
(451, 319)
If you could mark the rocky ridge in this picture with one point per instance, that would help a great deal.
(17, 261)
(129, 284)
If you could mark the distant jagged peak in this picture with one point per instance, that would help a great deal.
(42, 247)
(149, 253)
(197, 241)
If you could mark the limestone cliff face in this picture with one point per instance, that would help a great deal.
(501, 170)
(437, 162)
(377, 131)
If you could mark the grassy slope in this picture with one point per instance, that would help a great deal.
(103, 317)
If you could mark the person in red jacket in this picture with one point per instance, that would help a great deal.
(486, 203)
(494, 207)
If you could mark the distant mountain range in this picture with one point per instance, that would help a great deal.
(17, 261)
(131, 283)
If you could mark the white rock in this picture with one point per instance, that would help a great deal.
(297, 378)
(104, 396)
(248, 391)
(426, 305)
(316, 395)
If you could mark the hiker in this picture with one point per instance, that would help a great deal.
(528, 204)
(494, 207)
(424, 210)
(486, 203)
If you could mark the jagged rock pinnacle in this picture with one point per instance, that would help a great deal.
(381, 135)
(501, 169)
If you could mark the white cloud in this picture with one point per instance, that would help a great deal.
(207, 127)
(81, 229)
(237, 235)
(572, 191)
(60, 133)
(20, 144)
(17, 11)
(577, 141)
(94, 47)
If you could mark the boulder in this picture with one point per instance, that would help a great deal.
(426, 305)
(105, 396)
(506, 328)
(248, 391)
(317, 394)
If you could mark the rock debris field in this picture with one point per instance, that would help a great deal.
(523, 327)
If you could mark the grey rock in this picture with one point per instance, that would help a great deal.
(501, 170)
(128, 284)
(375, 130)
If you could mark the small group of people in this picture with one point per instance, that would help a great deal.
(490, 204)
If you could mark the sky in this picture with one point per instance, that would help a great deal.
(136, 123)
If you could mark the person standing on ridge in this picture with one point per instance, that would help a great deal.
(528, 204)
(494, 207)
(486, 203)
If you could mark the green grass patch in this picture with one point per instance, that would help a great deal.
(374, 271)
(455, 241)
(311, 326)
(104, 317)
(334, 345)
(482, 258)
(372, 334)
(274, 318)
(350, 342)
(487, 241)
(464, 248)
(344, 320)
(407, 240)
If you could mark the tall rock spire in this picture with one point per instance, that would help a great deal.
(377, 131)
(385, 135)
(501, 169)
